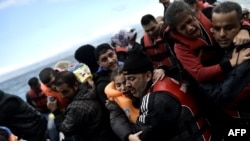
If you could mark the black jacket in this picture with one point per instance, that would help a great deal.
(101, 79)
(161, 118)
(22, 119)
(85, 118)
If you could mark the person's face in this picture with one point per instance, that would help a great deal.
(188, 26)
(225, 28)
(137, 83)
(246, 15)
(108, 60)
(50, 84)
(153, 29)
(66, 91)
(120, 84)
(165, 3)
(37, 87)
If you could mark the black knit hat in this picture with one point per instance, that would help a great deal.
(137, 62)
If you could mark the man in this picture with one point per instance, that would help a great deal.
(157, 48)
(245, 14)
(152, 42)
(47, 77)
(22, 119)
(166, 107)
(165, 4)
(124, 40)
(195, 46)
(202, 58)
(84, 116)
(107, 59)
(227, 19)
(35, 96)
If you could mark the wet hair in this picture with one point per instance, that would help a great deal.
(33, 81)
(115, 73)
(146, 19)
(101, 49)
(174, 11)
(65, 77)
(45, 75)
(227, 7)
(85, 54)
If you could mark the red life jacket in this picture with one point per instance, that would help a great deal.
(189, 107)
(157, 51)
(197, 43)
(39, 100)
(232, 109)
(204, 48)
(121, 49)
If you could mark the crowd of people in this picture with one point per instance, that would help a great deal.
(186, 79)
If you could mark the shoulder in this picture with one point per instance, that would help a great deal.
(102, 77)
(161, 100)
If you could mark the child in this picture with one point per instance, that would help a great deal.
(118, 92)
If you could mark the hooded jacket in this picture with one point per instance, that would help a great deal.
(84, 117)
(22, 119)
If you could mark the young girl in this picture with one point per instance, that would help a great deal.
(118, 92)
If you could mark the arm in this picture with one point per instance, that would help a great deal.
(158, 116)
(100, 87)
(119, 121)
(221, 93)
(9, 109)
(243, 35)
(192, 64)
(69, 121)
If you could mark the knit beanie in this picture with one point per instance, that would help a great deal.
(137, 62)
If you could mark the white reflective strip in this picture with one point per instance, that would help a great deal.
(144, 108)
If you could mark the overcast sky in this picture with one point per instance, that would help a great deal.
(31, 30)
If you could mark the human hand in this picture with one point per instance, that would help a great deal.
(52, 105)
(159, 74)
(242, 37)
(240, 57)
(134, 137)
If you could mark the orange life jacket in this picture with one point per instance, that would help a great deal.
(62, 103)
(157, 51)
(176, 89)
(39, 99)
(124, 102)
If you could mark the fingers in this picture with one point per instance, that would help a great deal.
(242, 37)
(138, 133)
